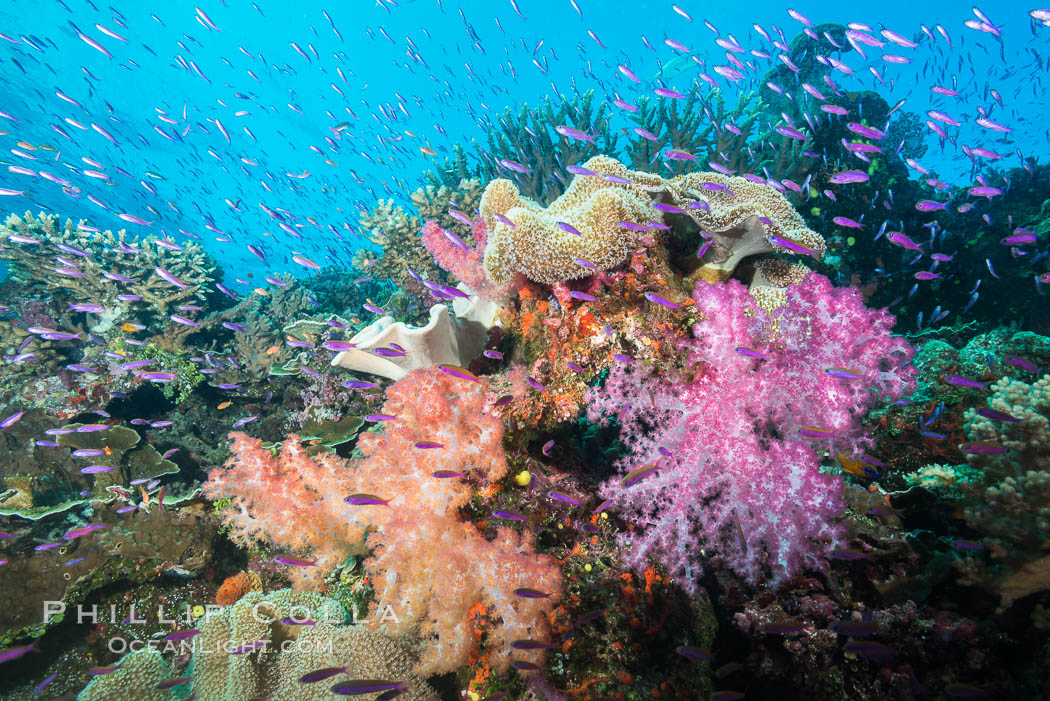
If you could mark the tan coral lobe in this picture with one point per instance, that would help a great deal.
(740, 215)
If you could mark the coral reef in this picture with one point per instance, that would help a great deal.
(101, 261)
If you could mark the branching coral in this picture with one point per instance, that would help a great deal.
(679, 125)
(396, 232)
(526, 138)
(727, 446)
(92, 266)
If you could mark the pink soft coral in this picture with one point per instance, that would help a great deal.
(464, 263)
(734, 476)
(429, 565)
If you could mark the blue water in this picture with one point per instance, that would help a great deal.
(416, 67)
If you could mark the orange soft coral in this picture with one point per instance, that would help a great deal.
(430, 566)
(297, 502)
(434, 569)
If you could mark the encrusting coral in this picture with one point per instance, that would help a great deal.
(303, 632)
(135, 679)
(592, 226)
(260, 647)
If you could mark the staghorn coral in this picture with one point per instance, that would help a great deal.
(679, 125)
(734, 140)
(741, 217)
(93, 255)
(293, 649)
(264, 321)
(454, 170)
(297, 502)
(742, 482)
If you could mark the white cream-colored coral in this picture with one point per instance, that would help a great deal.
(446, 339)
(545, 252)
(772, 278)
(742, 217)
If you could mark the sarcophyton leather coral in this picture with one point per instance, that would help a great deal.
(428, 560)
(594, 224)
(545, 251)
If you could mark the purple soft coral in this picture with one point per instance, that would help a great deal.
(733, 435)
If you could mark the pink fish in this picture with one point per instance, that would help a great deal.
(849, 176)
(94, 44)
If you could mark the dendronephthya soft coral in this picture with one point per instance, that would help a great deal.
(430, 566)
(732, 439)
